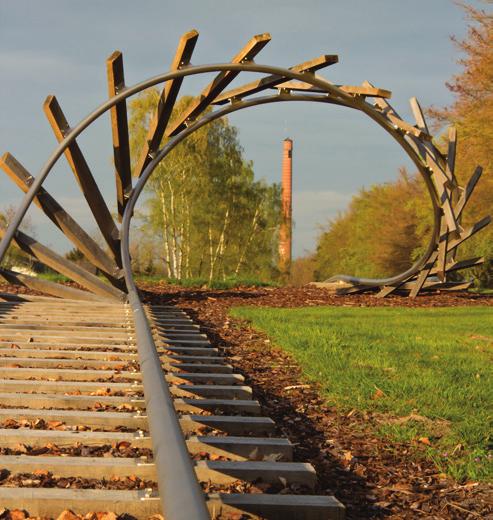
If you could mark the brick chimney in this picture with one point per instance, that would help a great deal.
(285, 230)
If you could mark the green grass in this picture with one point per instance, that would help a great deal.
(435, 363)
(53, 277)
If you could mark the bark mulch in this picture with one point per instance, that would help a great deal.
(373, 477)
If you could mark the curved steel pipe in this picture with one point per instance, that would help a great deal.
(369, 282)
(183, 498)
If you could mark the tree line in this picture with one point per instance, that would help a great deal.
(386, 226)
(204, 215)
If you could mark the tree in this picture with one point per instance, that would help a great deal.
(472, 114)
(209, 215)
(386, 227)
(15, 257)
(381, 233)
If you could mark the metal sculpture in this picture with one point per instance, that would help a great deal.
(298, 83)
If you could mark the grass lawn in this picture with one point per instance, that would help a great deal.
(433, 364)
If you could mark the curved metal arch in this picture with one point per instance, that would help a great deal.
(182, 498)
(161, 78)
(429, 161)
(240, 105)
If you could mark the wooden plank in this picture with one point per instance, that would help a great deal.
(222, 391)
(217, 405)
(228, 471)
(45, 286)
(469, 232)
(67, 402)
(67, 374)
(231, 424)
(218, 84)
(277, 507)
(119, 130)
(356, 90)
(273, 80)
(423, 275)
(443, 239)
(65, 267)
(50, 502)
(462, 264)
(243, 448)
(78, 417)
(419, 115)
(83, 467)
(451, 150)
(57, 214)
(23, 385)
(84, 177)
(466, 194)
(166, 102)
(9, 438)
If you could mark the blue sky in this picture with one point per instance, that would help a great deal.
(60, 46)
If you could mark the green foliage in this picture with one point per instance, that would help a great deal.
(472, 114)
(15, 257)
(431, 367)
(382, 232)
(387, 226)
(207, 215)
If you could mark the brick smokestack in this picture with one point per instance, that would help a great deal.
(285, 231)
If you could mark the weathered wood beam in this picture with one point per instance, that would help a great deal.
(47, 287)
(218, 84)
(166, 102)
(466, 194)
(55, 212)
(423, 275)
(274, 79)
(419, 115)
(469, 232)
(65, 267)
(462, 264)
(349, 89)
(84, 177)
(119, 130)
(451, 151)
(441, 270)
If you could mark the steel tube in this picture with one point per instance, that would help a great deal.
(180, 493)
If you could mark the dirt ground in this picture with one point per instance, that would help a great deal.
(372, 477)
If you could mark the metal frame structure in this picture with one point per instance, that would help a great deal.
(182, 498)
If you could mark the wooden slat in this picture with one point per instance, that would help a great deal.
(65, 267)
(462, 264)
(466, 194)
(277, 507)
(55, 289)
(272, 80)
(218, 84)
(84, 177)
(349, 89)
(469, 232)
(451, 150)
(119, 130)
(57, 214)
(419, 115)
(166, 102)
(423, 275)
(50, 502)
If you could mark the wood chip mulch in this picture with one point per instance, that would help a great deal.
(372, 477)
